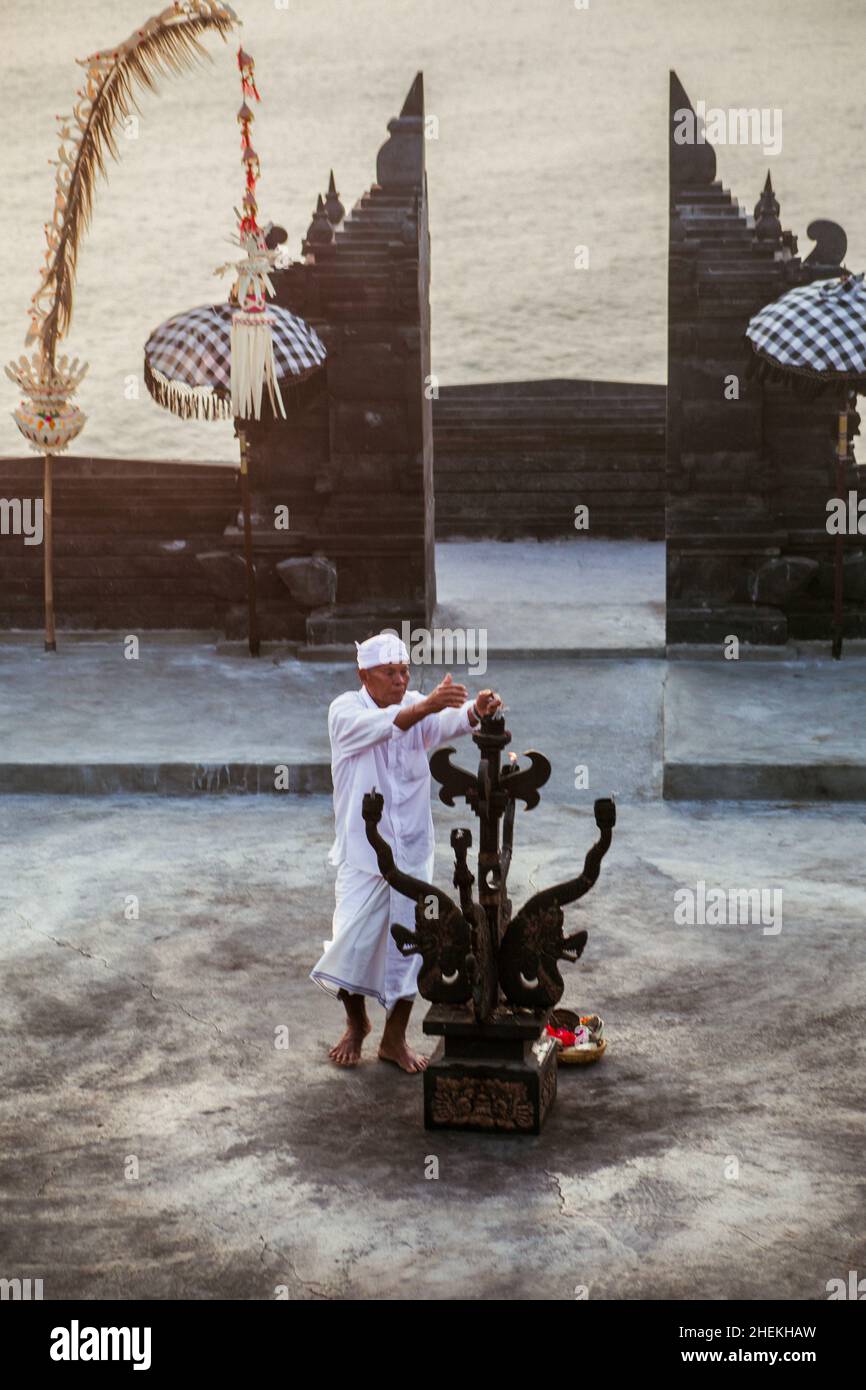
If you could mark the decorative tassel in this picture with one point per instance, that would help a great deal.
(253, 365)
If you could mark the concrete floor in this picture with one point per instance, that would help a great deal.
(766, 729)
(179, 720)
(603, 597)
(86, 705)
(260, 1167)
(183, 719)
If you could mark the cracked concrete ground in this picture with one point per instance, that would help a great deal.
(716, 1151)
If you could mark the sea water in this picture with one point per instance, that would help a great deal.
(547, 168)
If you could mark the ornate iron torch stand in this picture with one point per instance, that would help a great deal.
(492, 978)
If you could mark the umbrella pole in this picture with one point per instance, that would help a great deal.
(48, 553)
(248, 546)
(841, 460)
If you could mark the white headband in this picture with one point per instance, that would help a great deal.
(384, 648)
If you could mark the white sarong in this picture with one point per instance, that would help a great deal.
(362, 956)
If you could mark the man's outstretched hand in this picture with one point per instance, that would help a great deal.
(446, 695)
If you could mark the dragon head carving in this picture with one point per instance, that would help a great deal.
(444, 943)
(529, 953)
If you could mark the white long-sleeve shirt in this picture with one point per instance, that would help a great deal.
(369, 750)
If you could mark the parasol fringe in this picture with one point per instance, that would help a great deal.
(203, 403)
(187, 402)
(802, 381)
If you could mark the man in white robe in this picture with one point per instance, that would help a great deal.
(380, 736)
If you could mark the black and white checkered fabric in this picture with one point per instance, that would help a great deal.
(815, 330)
(193, 349)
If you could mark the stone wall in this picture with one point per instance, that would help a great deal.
(127, 542)
(515, 458)
(158, 545)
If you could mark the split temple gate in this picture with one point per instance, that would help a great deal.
(347, 497)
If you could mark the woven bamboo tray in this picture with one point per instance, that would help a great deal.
(580, 1056)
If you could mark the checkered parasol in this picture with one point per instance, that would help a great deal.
(187, 360)
(812, 338)
(816, 331)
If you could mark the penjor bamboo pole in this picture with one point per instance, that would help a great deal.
(248, 547)
(48, 552)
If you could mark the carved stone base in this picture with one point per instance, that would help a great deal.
(468, 1086)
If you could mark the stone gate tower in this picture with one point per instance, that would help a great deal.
(750, 467)
(354, 461)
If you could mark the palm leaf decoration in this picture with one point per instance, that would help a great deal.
(169, 43)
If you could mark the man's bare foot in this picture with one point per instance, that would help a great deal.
(393, 1047)
(347, 1052)
(401, 1055)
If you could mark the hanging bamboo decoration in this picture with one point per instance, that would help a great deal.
(252, 348)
